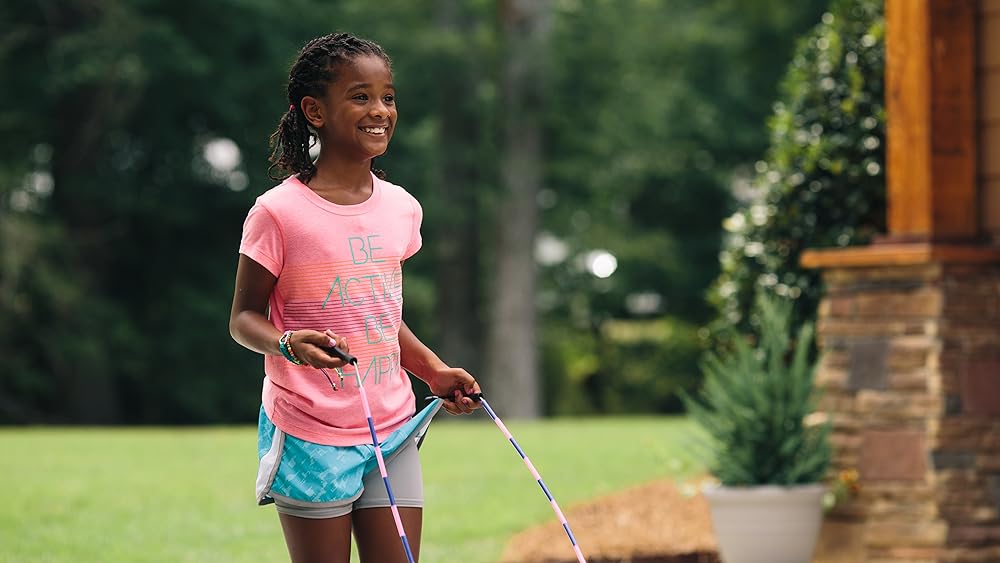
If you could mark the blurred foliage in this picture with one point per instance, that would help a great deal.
(628, 366)
(116, 306)
(755, 402)
(652, 109)
(119, 238)
(823, 181)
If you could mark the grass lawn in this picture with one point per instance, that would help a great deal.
(176, 495)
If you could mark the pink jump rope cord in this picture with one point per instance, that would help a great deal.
(381, 466)
(538, 478)
(503, 428)
(378, 449)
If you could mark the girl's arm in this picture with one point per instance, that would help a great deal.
(249, 325)
(248, 322)
(443, 381)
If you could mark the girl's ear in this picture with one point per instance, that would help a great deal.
(313, 110)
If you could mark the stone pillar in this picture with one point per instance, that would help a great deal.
(910, 326)
(910, 368)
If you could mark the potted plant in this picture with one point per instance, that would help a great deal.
(769, 462)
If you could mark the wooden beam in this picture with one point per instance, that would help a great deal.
(899, 254)
(931, 120)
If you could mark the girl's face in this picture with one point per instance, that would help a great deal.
(357, 115)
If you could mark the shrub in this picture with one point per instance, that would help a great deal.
(754, 403)
(822, 182)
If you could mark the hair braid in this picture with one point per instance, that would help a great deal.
(312, 72)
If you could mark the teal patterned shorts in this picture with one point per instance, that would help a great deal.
(304, 473)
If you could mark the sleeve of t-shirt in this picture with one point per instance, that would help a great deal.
(415, 240)
(262, 241)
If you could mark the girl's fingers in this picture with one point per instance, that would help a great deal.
(464, 403)
(318, 358)
(450, 407)
(471, 389)
(457, 400)
(453, 404)
(338, 341)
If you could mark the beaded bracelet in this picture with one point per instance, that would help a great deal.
(285, 346)
(282, 347)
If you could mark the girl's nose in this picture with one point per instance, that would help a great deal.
(379, 110)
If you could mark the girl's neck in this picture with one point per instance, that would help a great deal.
(343, 183)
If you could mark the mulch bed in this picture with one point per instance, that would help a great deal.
(652, 523)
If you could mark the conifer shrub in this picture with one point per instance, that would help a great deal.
(755, 402)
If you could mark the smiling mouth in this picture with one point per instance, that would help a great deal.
(374, 130)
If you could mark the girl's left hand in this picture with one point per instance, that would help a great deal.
(455, 383)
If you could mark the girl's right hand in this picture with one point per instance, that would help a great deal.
(308, 346)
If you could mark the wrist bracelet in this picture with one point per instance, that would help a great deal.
(285, 346)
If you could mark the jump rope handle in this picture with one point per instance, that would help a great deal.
(347, 358)
(474, 396)
(338, 353)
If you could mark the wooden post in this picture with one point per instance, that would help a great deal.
(931, 120)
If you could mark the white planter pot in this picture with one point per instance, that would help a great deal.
(767, 524)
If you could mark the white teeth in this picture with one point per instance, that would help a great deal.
(374, 130)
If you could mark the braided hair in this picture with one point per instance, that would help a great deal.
(313, 71)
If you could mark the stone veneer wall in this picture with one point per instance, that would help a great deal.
(911, 372)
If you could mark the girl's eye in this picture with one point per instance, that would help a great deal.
(362, 97)
(389, 99)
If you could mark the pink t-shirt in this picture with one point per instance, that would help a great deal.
(339, 267)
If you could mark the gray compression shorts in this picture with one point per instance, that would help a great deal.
(405, 478)
(317, 481)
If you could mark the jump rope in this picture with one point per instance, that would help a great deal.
(478, 397)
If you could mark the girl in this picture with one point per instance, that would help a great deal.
(320, 265)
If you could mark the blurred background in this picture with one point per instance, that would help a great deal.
(583, 166)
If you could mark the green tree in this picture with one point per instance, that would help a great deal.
(512, 350)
